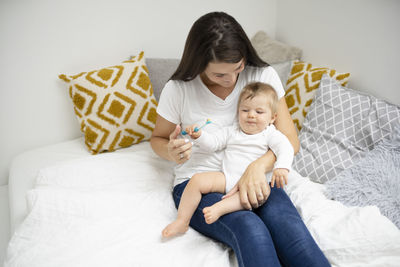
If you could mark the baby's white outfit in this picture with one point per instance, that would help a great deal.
(241, 149)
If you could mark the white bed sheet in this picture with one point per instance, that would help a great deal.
(109, 210)
(25, 167)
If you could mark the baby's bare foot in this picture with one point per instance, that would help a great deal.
(211, 214)
(175, 228)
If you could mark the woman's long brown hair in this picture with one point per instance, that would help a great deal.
(215, 37)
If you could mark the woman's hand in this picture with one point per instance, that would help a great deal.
(179, 150)
(166, 144)
(253, 186)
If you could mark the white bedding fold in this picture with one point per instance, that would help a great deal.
(109, 210)
(348, 236)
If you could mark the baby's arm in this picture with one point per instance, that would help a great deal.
(284, 152)
(213, 141)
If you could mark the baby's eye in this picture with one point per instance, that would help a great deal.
(245, 110)
(260, 112)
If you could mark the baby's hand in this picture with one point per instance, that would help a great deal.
(190, 131)
(279, 176)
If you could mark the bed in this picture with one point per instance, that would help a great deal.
(71, 208)
(99, 211)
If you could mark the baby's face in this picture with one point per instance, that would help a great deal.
(255, 114)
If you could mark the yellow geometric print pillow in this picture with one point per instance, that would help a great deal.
(301, 86)
(115, 105)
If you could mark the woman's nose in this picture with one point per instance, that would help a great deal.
(230, 78)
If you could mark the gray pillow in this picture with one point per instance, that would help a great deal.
(283, 70)
(273, 51)
(160, 70)
(342, 125)
(374, 180)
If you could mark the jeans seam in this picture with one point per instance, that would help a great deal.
(239, 254)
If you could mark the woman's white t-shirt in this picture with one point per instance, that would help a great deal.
(187, 103)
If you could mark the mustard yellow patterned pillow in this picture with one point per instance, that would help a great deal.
(301, 86)
(115, 105)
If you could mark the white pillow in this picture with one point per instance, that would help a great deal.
(273, 51)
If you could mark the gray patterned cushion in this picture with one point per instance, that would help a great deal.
(341, 126)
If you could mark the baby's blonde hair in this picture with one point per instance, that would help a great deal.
(255, 88)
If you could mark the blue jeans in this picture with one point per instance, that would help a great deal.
(271, 235)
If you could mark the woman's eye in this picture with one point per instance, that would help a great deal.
(219, 75)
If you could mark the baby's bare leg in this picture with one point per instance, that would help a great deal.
(226, 205)
(201, 183)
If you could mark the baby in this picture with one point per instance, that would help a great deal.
(243, 143)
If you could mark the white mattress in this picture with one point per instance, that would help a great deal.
(69, 208)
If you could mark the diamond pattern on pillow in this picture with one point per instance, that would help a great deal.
(301, 85)
(341, 126)
(115, 106)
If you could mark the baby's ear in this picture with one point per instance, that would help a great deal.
(273, 118)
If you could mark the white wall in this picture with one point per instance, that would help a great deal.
(4, 223)
(41, 39)
(357, 36)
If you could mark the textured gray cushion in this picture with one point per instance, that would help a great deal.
(374, 180)
(341, 126)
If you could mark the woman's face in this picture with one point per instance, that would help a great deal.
(224, 74)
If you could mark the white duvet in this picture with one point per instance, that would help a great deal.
(109, 210)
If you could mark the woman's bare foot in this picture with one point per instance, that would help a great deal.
(211, 214)
(175, 228)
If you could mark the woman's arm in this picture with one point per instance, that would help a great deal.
(252, 186)
(165, 143)
(284, 123)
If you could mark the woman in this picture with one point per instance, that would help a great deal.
(217, 62)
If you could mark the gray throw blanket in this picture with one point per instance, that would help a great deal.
(373, 180)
